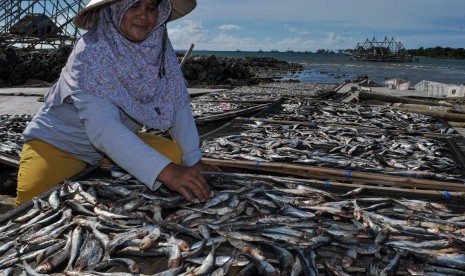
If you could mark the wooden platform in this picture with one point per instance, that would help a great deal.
(27, 100)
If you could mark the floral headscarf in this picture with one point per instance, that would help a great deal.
(142, 78)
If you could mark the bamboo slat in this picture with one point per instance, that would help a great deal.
(288, 168)
(457, 124)
(424, 107)
(349, 180)
(439, 114)
(351, 186)
(395, 99)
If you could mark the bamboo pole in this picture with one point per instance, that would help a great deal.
(457, 124)
(440, 114)
(186, 56)
(396, 180)
(424, 107)
(394, 99)
(351, 186)
(360, 181)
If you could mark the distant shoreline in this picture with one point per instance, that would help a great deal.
(262, 53)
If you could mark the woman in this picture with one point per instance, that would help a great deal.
(122, 75)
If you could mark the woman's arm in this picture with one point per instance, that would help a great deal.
(184, 132)
(102, 122)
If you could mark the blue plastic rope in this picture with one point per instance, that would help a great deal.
(327, 183)
(349, 172)
(258, 163)
(447, 194)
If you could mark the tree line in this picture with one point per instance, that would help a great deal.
(439, 52)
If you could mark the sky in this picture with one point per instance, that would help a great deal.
(309, 25)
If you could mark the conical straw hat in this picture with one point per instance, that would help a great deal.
(87, 17)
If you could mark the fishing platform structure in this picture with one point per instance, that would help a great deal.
(37, 24)
(388, 50)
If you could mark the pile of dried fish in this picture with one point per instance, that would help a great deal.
(233, 95)
(335, 147)
(11, 131)
(341, 135)
(252, 224)
(331, 112)
(308, 90)
(203, 109)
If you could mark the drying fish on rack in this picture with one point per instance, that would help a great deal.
(11, 131)
(335, 147)
(272, 226)
(324, 113)
(201, 109)
(233, 95)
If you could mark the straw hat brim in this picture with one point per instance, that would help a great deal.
(87, 17)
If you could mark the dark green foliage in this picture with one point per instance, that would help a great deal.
(439, 52)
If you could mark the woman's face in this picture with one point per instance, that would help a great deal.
(139, 20)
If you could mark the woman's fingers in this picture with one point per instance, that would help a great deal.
(185, 193)
(187, 181)
(200, 188)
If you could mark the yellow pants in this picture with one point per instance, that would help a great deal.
(43, 166)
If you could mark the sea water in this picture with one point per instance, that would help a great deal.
(337, 68)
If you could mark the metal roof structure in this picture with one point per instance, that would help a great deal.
(387, 50)
(37, 24)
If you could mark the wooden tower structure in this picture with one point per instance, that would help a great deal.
(38, 24)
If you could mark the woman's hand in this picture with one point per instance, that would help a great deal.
(187, 181)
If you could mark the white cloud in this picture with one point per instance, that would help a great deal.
(331, 41)
(232, 43)
(289, 30)
(295, 30)
(230, 27)
(417, 23)
(335, 41)
(190, 31)
(186, 33)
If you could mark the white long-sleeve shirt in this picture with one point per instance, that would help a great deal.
(90, 128)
